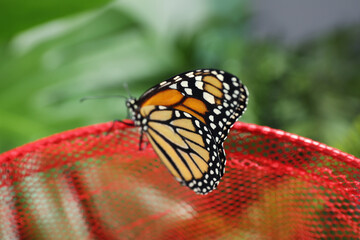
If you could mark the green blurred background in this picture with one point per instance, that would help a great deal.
(54, 53)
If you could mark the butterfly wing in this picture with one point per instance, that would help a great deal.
(191, 108)
(187, 148)
(216, 98)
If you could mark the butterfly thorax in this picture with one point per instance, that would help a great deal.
(134, 110)
(139, 114)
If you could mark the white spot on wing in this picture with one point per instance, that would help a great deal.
(220, 77)
(187, 114)
(199, 85)
(197, 123)
(208, 97)
(188, 91)
(184, 84)
(190, 74)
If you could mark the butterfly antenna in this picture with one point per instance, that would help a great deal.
(126, 86)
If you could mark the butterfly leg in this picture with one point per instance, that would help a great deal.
(141, 138)
(118, 121)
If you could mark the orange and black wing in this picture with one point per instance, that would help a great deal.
(187, 148)
(214, 97)
(187, 119)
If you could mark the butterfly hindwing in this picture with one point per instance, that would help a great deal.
(187, 148)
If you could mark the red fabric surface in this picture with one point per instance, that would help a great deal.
(86, 184)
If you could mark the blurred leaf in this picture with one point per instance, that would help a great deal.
(46, 70)
(17, 16)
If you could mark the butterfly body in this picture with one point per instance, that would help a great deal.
(186, 119)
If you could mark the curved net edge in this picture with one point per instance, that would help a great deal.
(277, 184)
(104, 128)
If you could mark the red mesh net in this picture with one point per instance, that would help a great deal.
(84, 184)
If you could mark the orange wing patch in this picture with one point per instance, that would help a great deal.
(213, 90)
(213, 81)
(172, 97)
(213, 86)
(185, 109)
(196, 105)
(161, 115)
(164, 98)
(184, 123)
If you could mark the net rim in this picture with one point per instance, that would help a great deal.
(240, 126)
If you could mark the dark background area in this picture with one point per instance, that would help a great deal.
(299, 59)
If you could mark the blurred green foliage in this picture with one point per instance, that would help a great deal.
(17, 16)
(76, 49)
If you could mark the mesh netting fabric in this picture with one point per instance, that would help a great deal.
(86, 184)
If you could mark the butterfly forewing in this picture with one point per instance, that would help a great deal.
(217, 98)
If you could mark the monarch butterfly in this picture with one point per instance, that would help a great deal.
(186, 119)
